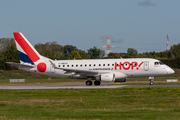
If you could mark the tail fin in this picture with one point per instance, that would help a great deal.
(26, 52)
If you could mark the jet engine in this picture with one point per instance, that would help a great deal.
(107, 77)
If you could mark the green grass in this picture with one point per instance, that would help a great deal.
(125, 103)
(29, 77)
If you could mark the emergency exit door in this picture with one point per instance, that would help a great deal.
(52, 68)
(146, 65)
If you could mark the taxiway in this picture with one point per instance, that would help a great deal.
(80, 87)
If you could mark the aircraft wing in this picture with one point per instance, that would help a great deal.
(80, 71)
(76, 70)
(20, 65)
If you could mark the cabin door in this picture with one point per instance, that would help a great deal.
(146, 65)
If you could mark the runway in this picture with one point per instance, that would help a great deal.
(80, 87)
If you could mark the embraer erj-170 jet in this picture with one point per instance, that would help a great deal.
(99, 70)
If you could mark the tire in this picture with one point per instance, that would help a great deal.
(97, 83)
(151, 83)
(88, 83)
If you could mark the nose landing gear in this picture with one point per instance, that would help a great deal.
(151, 80)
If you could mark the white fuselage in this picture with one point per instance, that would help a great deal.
(100, 70)
(122, 68)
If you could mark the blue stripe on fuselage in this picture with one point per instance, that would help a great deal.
(24, 58)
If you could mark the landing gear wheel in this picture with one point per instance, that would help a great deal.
(97, 82)
(88, 83)
(151, 82)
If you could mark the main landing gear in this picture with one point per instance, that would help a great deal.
(97, 82)
(89, 83)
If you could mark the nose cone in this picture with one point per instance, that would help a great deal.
(171, 71)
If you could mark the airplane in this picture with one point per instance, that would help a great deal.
(99, 70)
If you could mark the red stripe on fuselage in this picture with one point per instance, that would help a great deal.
(25, 46)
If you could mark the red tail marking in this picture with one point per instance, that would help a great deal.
(25, 46)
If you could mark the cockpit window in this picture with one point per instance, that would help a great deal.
(158, 63)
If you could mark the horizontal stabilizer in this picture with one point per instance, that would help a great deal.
(20, 65)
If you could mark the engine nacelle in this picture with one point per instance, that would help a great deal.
(107, 77)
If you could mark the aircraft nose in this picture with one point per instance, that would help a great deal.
(170, 71)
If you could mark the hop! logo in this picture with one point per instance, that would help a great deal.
(127, 65)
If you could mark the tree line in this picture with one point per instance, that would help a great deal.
(53, 50)
(173, 53)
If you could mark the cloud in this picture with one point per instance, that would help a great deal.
(146, 3)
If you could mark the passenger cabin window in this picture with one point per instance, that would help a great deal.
(94, 64)
(76, 65)
(103, 64)
(112, 64)
(67, 65)
(59, 65)
(85, 65)
(89, 64)
(72, 65)
(108, 64)
(99, 64)
(81, 65)
(63, 65)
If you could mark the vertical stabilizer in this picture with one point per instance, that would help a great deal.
(26, 52)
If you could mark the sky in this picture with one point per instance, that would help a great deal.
(139, 24)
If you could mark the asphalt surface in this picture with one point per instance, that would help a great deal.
(80, 87)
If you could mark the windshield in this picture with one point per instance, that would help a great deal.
(161, 63)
